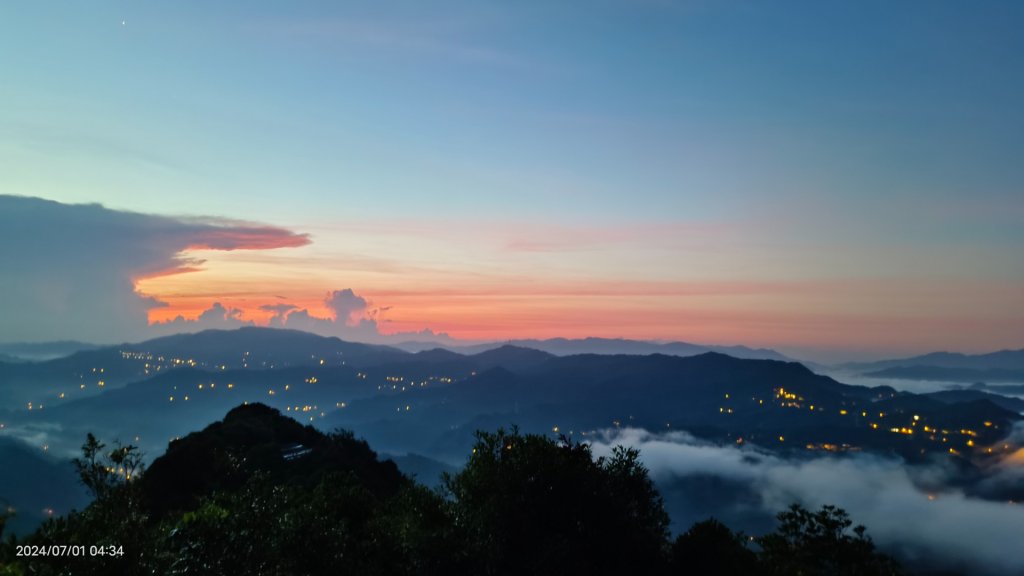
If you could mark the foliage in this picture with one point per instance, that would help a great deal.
(710, 548)
(529, 505)
(821, 543)
(273, 529)
(335, 510)
(523, 505)
(102, 472)
(6, 557)
(117, 516)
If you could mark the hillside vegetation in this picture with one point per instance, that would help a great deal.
(259, 493)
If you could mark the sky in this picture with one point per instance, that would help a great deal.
(836, 180)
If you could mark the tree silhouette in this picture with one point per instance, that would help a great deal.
(101, 472)
(5, 514)
(821, 543)
(529, 505)
(710, 548)
(523, 505)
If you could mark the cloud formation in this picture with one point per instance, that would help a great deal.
(354, 318)
(216, 317)
(227, 235)
(278, 309)
(69, 271)
(347, 306)
(908, 509)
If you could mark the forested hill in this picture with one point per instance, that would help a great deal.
(258, 493)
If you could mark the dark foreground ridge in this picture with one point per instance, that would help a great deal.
(257, 441)
(259, 493)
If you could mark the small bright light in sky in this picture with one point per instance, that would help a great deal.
(832, 179)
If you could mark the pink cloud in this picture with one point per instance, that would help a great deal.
(233, 237)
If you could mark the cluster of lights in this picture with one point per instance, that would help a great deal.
(789, 399)
(829, 447)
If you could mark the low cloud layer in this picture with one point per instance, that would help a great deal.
(907, 509)
(69, 271)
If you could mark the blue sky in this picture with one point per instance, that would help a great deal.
(842, 141)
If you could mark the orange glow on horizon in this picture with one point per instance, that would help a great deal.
(544, 313)
(475, 299)
(190, 308)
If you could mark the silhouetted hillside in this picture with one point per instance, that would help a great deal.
(430, 404)
(958, 396)
(511, 357)
(255, 347)
(35, 485)
(781, 405)
(256, 439)
(965, 375)
(258, 493)
(41, 351)
(569, 347)
(90, 372)
(429, 364)
(151, 411)
(1001, 360)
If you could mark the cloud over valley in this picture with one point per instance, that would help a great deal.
(915, 511)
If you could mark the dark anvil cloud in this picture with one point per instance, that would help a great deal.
(69, 270)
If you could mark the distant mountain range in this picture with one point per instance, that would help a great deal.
(37, 351)
(567, 347)
(962, 375)
(1004, 360)
(959, 396)
(428, 404)
(88, 370)
(182, 343)
(1002, 366)
(781, 405)
(300, 347)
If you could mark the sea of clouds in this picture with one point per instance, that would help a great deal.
(913, 511)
